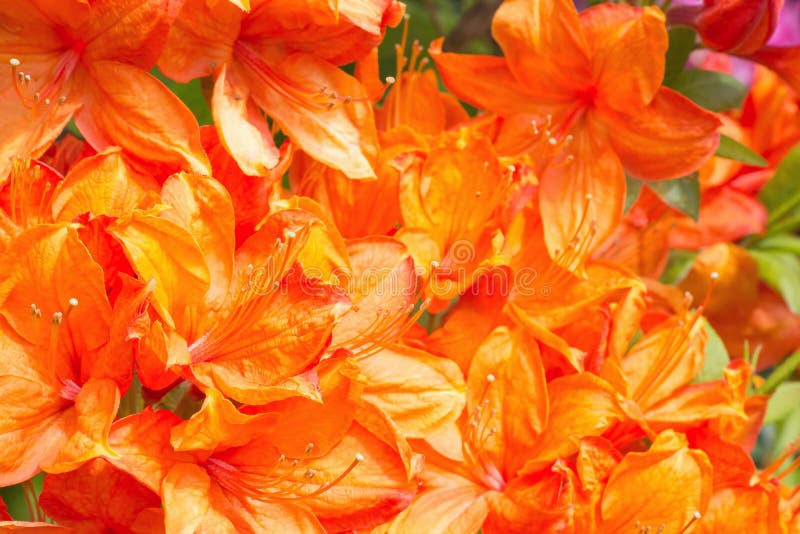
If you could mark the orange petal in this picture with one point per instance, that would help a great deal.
(242, 128)
(157, 129)
(663, 486)
(669, 138)
(373, 492)
(285, 339)
(250, 194)
(341, 135)
(507, 377)
(628, 49)
(580, 405)
(581, 199)
(457, 203)
(202, 206)
(28, 132)
(142, 441)
(419, 392)
(486, 82)
(128, 31)
(193, 502)
(29, 431)
(200, 39)
(218, 422)
(665, 359)
(87, 426)
(96, 496)
(462, 507)
(544, 46)
(47, 266)
(103, 184)
(180, 271)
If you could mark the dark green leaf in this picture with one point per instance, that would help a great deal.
(732, 149)
(633, 188)
(681, 44)
(716, 357)
(712, 90)
(683, 194)
(781, 195)
(678, 265)
(781, 271)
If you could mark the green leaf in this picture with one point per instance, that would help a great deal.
(633, 188)
(683, 194)
(678, 265)
(782, 402)
(712, 90)
(782, 372)
(716, 359)
(681, 43)
(731, 149)
(781, 271)
(779, 243)
(781, 195)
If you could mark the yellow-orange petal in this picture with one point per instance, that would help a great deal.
(202, 206)
(241, 126)
(103, 184)
(667, 485)
(420, 393)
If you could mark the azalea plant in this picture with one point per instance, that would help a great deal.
(384, 267)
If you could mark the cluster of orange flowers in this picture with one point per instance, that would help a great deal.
(404, 317)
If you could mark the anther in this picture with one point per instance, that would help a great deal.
(490, 378)
(73, 302)
(435, 264)
(309, 447)
(291, 234)
(359, 457)
(310, 473)
(14, 62)
(390, 79)
(57, 318)
(714, 275)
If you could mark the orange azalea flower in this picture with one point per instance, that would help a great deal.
(98, 497)
(655, 373)
(242, 320)
(575, 97)
(296, 467)
(504, 475)
(269, 58)
(90, 61)
(66, 354)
